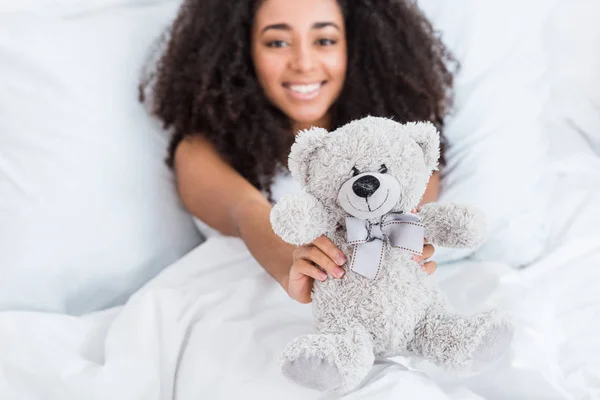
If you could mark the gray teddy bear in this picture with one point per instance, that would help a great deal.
(361, 183)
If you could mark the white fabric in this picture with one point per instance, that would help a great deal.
(213, 324)
(88, 210)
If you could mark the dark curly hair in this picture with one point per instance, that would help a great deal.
(203, 81)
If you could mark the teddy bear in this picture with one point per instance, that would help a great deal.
(360, 185)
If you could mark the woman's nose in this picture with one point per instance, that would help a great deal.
(303, 59)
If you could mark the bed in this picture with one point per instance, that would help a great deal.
(212, 323)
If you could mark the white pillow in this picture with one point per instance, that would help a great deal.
(67, 7)
(497, 150)
(88, 210)
(572, 42)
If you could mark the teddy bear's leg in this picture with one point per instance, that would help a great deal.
(463, 343)
(329, 361)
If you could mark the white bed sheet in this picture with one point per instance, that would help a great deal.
(212, 325)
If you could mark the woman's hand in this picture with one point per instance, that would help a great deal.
(310, 262)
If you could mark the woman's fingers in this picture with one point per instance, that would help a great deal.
(305, 267)
(428, 251)
(330, 249)
(430, 267)
(316, 255)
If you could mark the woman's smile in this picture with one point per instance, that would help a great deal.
(304, 91)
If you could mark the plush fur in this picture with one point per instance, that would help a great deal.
(355, 170)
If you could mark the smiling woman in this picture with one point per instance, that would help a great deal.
(238, 79)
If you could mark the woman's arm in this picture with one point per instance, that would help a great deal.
(214, 192)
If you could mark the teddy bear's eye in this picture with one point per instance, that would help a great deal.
(355, 171)
(383, 169)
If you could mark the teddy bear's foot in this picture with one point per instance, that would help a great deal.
(329, 362)
(314, 372)
(495, 340)
(467, 344)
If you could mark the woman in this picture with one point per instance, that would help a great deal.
(238, 78)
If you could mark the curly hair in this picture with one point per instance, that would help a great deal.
(203, 81)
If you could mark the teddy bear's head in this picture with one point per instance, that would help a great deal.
(368, 167)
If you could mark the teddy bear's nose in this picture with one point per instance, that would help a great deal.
(365, 186)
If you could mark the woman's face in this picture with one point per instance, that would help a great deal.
(299, 54)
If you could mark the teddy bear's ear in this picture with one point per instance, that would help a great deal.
(307, 143)
(426, 136)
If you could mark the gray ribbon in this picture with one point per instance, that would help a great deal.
(403, 231)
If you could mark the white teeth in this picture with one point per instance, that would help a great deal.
(305, 88)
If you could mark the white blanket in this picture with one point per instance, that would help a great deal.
(213, 324)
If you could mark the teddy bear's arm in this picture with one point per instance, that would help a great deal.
(453, 225)
(300, 218)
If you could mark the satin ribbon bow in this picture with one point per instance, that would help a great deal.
(404, 231)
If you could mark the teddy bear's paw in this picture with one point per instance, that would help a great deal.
(314, 372)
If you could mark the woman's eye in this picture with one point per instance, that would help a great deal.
(383, 169)
(326, 42)
(276, 44)
(355, 171)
